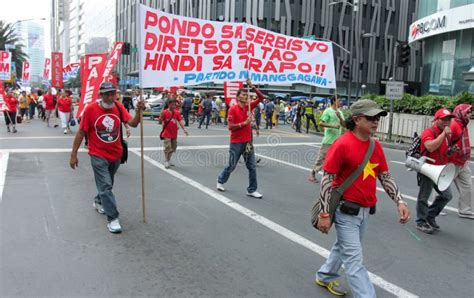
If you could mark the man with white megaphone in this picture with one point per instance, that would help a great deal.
(432, 166)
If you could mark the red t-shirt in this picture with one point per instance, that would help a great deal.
(49, 101)
(64, 105)
(171, 130)
(440, 155)
(343, 158)
(103, 130)
(459, 158)
(237, 114)
(11, 103)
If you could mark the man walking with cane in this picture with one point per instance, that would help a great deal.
(240, 120)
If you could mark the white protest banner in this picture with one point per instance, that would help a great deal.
(25, 73)
(5, 65)
(176, 50)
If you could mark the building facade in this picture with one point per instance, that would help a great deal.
(32, 36)
(444, 30)
(76, 25)
(369, 29)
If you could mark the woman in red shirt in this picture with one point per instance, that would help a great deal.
(65, 109)
(9, 112)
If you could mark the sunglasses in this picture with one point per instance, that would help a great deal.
(372, 118)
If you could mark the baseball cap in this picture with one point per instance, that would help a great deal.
(106, 87)
(366, 107)
(443, 113)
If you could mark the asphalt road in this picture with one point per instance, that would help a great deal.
(197, 241)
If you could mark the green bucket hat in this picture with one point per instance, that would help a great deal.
(366, 107)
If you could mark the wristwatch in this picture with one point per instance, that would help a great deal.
(402, 202)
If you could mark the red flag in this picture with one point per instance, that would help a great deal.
(230, 90)
(94, 65)
(113, 58)
(47, 69)
(3, 106)
(57, 70)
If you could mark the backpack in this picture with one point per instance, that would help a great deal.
(415, 148)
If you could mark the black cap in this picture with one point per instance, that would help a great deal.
(106, 87)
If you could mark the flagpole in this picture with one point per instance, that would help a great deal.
(142, 160)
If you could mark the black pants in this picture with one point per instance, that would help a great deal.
(310, 118)
(298, 124)
(10, 117)
(186, 116)
(269, 120)
(206, 115)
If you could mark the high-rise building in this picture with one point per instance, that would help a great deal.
(32, 36)
(444, 30)
(370, 30)
(76, 23)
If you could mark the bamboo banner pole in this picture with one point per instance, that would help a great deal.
(142, 160)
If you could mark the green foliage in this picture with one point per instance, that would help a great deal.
(422, 105)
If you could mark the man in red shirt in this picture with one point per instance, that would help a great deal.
(434, 144)
(460, 155)
(343, 158)
(50, 105)
(240, 119)
(169, 118)
(102, 122)
(10, 113)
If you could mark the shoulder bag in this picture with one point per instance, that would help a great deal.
(337, 192)
(124, 143)
(165, 125)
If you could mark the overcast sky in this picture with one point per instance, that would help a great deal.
(15, 10)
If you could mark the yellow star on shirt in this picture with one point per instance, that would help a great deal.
(369, 169)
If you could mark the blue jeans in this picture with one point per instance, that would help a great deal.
(423, 211)
(347, 250)
(206, 115)
(104, 172)
(235, 151)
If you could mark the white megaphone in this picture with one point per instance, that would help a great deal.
(442, 176)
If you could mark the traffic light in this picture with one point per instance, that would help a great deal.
(404, 54)
(126, 48)
(345, 71)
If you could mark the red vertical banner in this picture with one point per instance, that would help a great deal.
(91, 78)
(25, 72)
(57, 70)
(230, 91)
(47, 69)
(113, 58)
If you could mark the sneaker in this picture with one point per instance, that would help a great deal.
(425, 228)
(98, 207)
(432, 222)
(14, 130)
(333, 287)
(220, 186)
(255, 194)
(65, 131)
(468, 215)
(167, 164)
(114, 226)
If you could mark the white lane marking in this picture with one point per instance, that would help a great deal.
(3, 171)
(398, 162)
(378, 188)
(198, 147)
(317, 146)
(288, 234)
